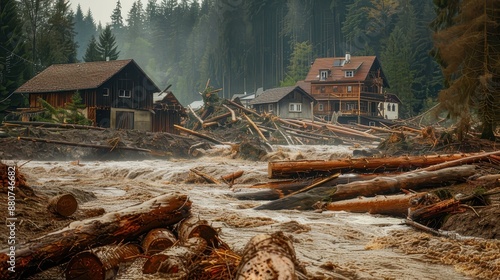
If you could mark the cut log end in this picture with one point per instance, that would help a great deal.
(64, 205)
(85, 265)
(158, 240)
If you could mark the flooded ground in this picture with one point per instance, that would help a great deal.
(332, 245)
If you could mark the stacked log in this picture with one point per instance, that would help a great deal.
(101, 263)
(64, 205)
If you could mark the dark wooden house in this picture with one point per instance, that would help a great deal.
(167, 112)
(351, 89)
(117, 94)
(286, 102)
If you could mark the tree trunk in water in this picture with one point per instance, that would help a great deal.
(101, 263)
(127, 224)
(269, 257)
(394, 205)
(382, 185)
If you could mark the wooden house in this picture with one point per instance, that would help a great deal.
(286, 102)
(117, 94)
(351, 89)
(167, 112)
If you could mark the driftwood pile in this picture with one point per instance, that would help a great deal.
(160, 235)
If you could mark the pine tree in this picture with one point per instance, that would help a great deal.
(92, 53)
(12, 57)
(107, 45)
(300, 62)
(469, 52)
(57, 44)
(73, 112)
(80, 37)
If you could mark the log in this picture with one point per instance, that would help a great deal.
(206, 177)
(64, 205)
(157, 240)
(55, 125)
(229, 178)
(414, 180)
(394, 205)
(216, 118)
(85, 145)
(243, 108)
(176, 259)
(255, 127)
(57, 247)
(432, 211)
(287, 169)
(269, 257)
(189, 131)
(101, 263)
(194, 227)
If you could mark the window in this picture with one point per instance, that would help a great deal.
(393, 107)
(270, 107)
(323, 74)
(349, 88)
(320, 107)
(388, 107)
(371, 123)
(295, 107)
(105, 92)
(349, 74)
(124, 93)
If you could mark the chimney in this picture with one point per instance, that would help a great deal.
(347, 57)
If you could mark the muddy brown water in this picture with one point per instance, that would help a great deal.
(332, 245)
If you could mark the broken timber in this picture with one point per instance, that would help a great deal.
(287, 169)
(381, 185)
(189, 131)
(55, 248)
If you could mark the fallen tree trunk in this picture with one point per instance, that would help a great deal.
(194, 227)
(287, 169)
(206, 177)
(189, 131)
(101, 263)
(229, 178)
(64, 205)
(57, 247)
(381, 185)
(394, 205)
(85, 145)
(434, 210)
(56, 125)
(269, 256)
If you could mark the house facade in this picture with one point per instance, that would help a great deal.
(286, 102)
(117, 94)
(351, 89)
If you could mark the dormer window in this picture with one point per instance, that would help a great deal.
(323, 75)
(349, 74)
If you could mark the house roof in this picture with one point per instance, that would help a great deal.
(75, 76)
(337, 66)
(276, 94)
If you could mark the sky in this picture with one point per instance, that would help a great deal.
(102, 9)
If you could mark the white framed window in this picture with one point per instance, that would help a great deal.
(124, 93)
(320, 107)
(105, 92)
(349, 88)
(371, 123)
(295, 107)
(270, 107)
(323, 74)
(349, 74)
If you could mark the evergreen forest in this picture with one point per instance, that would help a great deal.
(442, 52)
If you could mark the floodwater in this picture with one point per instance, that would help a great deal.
(332, 245)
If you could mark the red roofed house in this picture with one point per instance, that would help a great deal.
(351, 89)
(117, 93)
